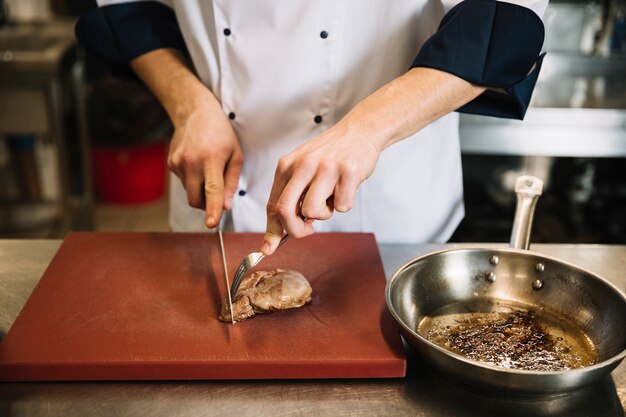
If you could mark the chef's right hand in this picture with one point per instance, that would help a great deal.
(204, 151)
(206, 156)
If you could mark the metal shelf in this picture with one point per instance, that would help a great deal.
(548, 132)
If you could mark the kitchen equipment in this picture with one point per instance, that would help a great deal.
(223, 253)
(42, 93)
(249, 262)
(130, 174)
(145, 306)
(476, 279)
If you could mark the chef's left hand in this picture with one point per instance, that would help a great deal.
(323, 174)
(316, 178)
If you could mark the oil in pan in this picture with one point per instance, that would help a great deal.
(509, 335)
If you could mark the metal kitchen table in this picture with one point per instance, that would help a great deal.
(421, 393)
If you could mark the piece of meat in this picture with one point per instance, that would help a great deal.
(266, 291)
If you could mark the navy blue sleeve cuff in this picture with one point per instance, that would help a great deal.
(492, 44)
(119, 33)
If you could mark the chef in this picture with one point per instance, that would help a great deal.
(341, 111)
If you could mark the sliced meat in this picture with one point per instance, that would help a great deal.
(266, 291)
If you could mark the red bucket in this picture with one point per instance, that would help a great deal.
(130, 175)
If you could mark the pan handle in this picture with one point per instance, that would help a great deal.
(528, 190)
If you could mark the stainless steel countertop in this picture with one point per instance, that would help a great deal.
(421, 393)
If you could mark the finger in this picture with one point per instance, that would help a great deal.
(273, 234)
(288, 207)
(315, 204)
(193, 186)
(231, 178)
(213, 192)
(344, 194)
(175, 168)
(274, 228)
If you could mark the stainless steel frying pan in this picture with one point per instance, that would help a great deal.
(485, 278)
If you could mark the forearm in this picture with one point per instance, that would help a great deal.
(406, 105)
(178, 89)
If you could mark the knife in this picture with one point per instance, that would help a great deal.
(223, 252)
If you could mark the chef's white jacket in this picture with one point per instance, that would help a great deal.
(284, 71)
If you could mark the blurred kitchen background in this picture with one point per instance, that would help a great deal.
(81, 150)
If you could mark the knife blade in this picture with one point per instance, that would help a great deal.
(223, 252)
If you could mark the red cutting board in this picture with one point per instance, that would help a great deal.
(144, 306)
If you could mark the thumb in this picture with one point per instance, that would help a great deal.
(273, 235)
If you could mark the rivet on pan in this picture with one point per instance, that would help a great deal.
(540, 267)
(490, 276)
(537, 284)
(494, 260)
